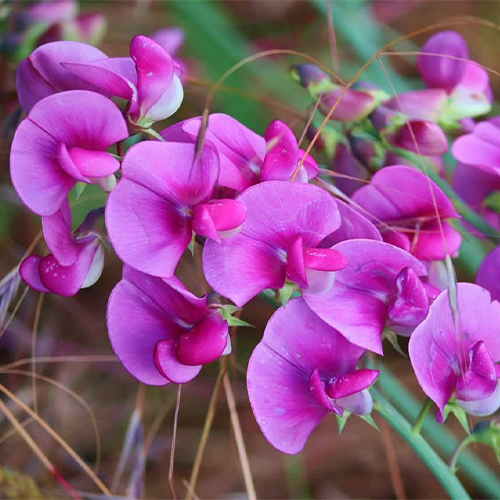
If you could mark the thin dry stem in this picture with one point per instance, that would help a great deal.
(36, 450)
(36, 322)
(172, 448)
(238, 435)
(58, 438)
(390, 453)
(207, 426)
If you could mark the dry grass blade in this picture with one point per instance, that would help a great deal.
(14, 311)
(207, 426)
(238, 435)
(36, 450)
(390, 452)
(96, 358)
(172, 447)
(76, 397)
(90, 473)
(36, 322)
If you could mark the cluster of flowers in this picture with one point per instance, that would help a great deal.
(361, 269)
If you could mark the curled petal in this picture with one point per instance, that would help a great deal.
(350, 383)
(166, 362)
(218, 216)
(30, 273)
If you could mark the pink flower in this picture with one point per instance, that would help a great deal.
(279, 241)
(300, 372)
(164, 195)
(160, 331)
(402, 198)
(247, 158)
(64, 140)
(42, 73)
(488, 274)
(456, 357)
(76, 259)
(148, 79)
(380, 287)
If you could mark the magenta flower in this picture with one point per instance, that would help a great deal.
(488, 274)
(42, 73)
(456, 358)
(164, 195)
(76, 259)
(474, 185)
(160, 331)
(279, 241)
(148, 80)
(480, 148)
(300, 372)
(457, 88)
(247, 158)
(403, 198)
(46, 161)
(354, 105)
(171, 39)
(380, 287)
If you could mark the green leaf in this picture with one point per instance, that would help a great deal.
(369, 420)
(227, 311)
(341, 421)
(454, 408)
(79, 188)
(391, 336)
(286, 292)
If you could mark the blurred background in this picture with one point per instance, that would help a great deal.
(71, 343)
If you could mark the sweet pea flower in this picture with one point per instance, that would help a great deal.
(380, 287)
(475, 185)
(165, 194)
(457, 88)
(302, 371)
(409, 205)
(148, 79)
(481, 147)
(76, 259)
(457, 357)
(279, 241)
(64, 141)
(488, 274)
(160, 331)
(247, 158)
(42, 74)
(354, 105)
(171, 39)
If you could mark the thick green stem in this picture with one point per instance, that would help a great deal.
(440, 470)
(421, 416)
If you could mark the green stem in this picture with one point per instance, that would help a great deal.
(471, 467)
(421, 416)
(456, 453)
(438, 468)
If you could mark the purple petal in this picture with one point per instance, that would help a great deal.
(410, 306)
(239, 268)
(296, 344)
(350, 383)
(30, 274)
(352, 171)
(356, 305)
(241, 150)
(113, 77)
(135, 325)
(438, 348)
(204, 343)
(425, 137)
(67, 280)
(148, 232)
(58, 236)
(360, 403)
(352, 225)
(488, 274)
(218, 216)
(353, 104)
(42, 74)
(483, 407)
(282, 155)
(427, 104)
(441, 71)
(85, 120)
(165, 359)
